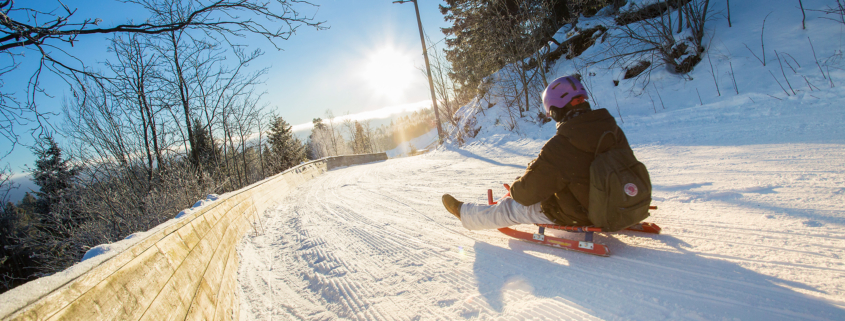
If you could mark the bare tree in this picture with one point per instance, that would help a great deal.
(245, 116)
(334, 136)
(134, 83)
(444, 86)
(838, 10)
(319, 139)
(263, 123)
(651, 42)
(370, 137)
(27, 33)
(179, 81)
(359, 140)
(350, 126)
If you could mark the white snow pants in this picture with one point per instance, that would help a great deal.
(508, 212)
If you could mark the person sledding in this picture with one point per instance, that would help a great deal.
(556, 186)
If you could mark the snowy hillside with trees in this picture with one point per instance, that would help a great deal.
(745, 153)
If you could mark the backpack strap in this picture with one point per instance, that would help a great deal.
(615, 138)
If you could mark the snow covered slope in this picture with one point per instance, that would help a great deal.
(750, 198)
(750, 189)
(750, 232)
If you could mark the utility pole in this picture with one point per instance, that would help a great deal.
(427, 69)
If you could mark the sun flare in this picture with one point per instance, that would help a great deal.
(389, 72)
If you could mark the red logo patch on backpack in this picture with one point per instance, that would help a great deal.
(631, 189)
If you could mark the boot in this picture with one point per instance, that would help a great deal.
(452, 205)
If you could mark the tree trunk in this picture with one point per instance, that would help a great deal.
(229, 138)
(146, 137)
(525, 89)
(243, 158)
(184, 97)
(261, 150)
(153, 131)
(680, 16)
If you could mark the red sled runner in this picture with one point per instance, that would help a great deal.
(585, 246)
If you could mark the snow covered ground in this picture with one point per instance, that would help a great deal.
(751, 231)
(750, 188)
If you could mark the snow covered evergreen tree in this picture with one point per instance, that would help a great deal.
(56, 217)
(204, 150)
(481, 38)
(52, 173)
(286, 150)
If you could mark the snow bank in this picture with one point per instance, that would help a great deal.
(211, 198)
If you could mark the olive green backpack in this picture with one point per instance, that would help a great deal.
(620, 189)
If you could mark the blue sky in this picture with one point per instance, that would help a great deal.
(315, 71)
(319, 70)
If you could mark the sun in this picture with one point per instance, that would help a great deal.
(389, 72)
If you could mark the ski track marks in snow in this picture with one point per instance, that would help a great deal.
(372, 242)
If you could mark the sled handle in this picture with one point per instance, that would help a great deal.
(490, 195)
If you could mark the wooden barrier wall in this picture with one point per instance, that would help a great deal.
(185, 271)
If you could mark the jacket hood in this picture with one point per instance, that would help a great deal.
(585, 130)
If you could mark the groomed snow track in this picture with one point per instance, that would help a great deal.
(372, 242)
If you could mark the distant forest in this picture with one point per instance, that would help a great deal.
(330, 137)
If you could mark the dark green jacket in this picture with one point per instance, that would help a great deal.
(560, 176)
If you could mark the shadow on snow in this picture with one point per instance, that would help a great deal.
(639, 283)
